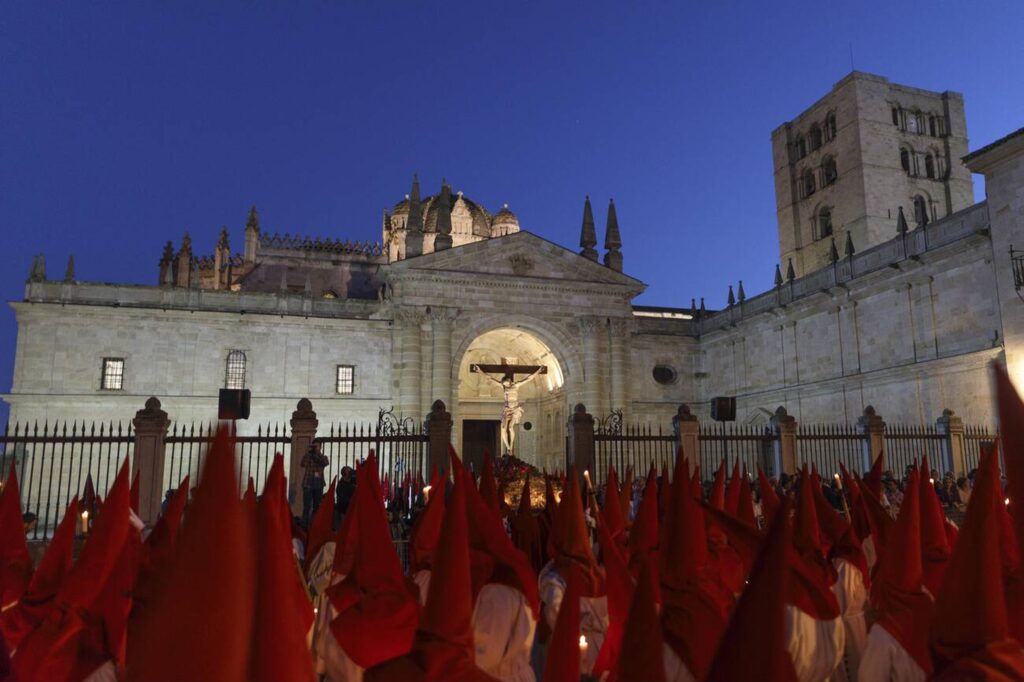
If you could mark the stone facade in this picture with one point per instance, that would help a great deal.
(839, 166)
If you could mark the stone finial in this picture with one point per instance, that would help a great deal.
(387, 221)
(168, 254)
(778, 275)
(901, 222)
(38, 271)
(443, 240)
(848, 250)
(253, 222)
(790, 272)
(612, 240)
(186, 245)
(833, 252)
(693, 307)
(69, 271)
(742, 294)
(414, 223)
(703, 310)
(732, 297)
(588, 234)
(222, 241)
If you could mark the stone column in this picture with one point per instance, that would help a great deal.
(304, 423)
(439, 430)
(953, 451)
(441, 320)
(591, 380)
(872, 427)
(687, 429)
(582, 434)
(409, 376)
(148, 462)
(784, 451)
(618, 334)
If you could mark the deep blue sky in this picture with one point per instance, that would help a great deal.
(124, 124)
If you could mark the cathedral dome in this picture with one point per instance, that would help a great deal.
(468, 217)
(504, 222)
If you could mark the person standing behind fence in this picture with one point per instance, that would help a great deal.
(313, 464)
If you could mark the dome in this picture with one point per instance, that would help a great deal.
(481, 219)
(504, 222)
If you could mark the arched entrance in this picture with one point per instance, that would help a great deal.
(540, 437)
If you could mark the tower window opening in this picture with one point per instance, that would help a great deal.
(828, 171)
(920, 211)
(824, 223)
(929, 166)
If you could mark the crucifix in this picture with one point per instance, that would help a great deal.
(511, 410)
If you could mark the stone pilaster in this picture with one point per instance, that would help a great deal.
(441, 320)
(618, 334)
(872, 426)
(409, 382)
(150, 431)
(303, 423)
(591, 376)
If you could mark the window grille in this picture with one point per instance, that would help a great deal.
(113, 374)
(346, 379)
(234, 373)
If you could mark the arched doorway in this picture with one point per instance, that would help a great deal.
(540, 437)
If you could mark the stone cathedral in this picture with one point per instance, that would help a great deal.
(893, 288)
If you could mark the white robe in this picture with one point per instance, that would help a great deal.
(675, 669)
(816, 646)
(852, 597)
(886, 659)
(593, 614)
(503, 629)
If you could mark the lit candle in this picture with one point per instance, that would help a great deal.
(1007, 502)
(426, 493)
(583, 646)
(586, 477)
(85, 523)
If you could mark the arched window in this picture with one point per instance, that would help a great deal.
(824, 222)
(920, 211)
(815, 136)
(931, 126)
(896, 117)
(234, 372)
(801, 148)
(929, 166)
(912, 126)
(828, 171)
(905, 159)
(830, 126)
(808, 182)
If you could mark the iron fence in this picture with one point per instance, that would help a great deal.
(186, 446)
(635, 446)
(750, 445)
(826, 446)
(54, 462)
(905, 443)
(977, 439)
(400, 443)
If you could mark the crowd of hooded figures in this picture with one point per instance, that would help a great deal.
(681, 584)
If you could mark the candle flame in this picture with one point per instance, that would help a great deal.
(583, 642)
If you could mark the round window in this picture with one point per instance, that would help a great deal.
(665, 375)
(527, 426)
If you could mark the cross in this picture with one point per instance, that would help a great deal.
(509, 371)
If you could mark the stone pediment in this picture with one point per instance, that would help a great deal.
(521, 255)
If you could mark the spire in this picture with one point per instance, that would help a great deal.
(742, 294)
(848, 250)
(732, 297)
(253, 222)
(183, 269)
(443, 240)
(387, 222)
(612, 240)
(778, 276)
(833, 252)
(69, 272)
(901, 222)
(38, 271)
(222, 242)
(588, 234)
(790, 272)
(414, 223)
(693, 307)
(252, 236)
(703, 310)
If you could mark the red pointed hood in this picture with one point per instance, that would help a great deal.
(858, 512)
(838, 535)
(90, 501)
(970, 632)
(209, 580)
(873, 479)
(745, 504)
(935, 545)
(526, 530)
(159, 546)
(133, 495)
(879, 520)
(283, 611)
(563, 661)
(374, 596)
(643, 537)
(642, 658)
(321, 528)
(612, 507)
(813, 575)
(570, 541)
(769, 500)
(626, 494)
(732, 491)
(754, 644)
(696, 489)
(896, 592)
(620, 593)
(1011, 426)
(717, 499)
(489, 485)
(426, 531)
(15, 561)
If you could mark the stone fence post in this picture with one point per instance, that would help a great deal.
(784, 449)
(581, 433)
(687, 429)
(303, 423)
(439, 433)
(872, 427)
(150, 426)
(953, 451)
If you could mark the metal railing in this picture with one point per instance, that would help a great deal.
(750, 445)
(54, 461)
(186, 446)
(978, 439)
(635, 446)
(905, 443)
(827, 445)
(400, 443)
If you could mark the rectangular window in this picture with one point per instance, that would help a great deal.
(113, 374)
(346, 379)
(234, 371)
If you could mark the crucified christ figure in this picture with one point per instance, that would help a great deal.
(511, 410)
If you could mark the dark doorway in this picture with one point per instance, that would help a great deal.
(478, 435)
